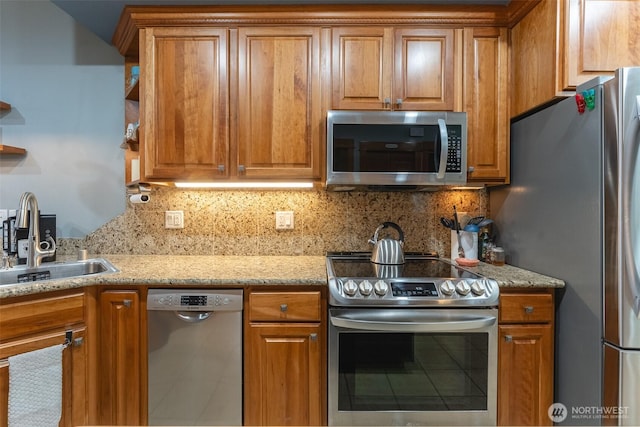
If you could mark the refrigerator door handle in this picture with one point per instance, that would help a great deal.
(638, 107)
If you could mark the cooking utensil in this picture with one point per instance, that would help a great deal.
(446, 222)
(485, 222)
(457, 225)
(475, 220)
(387, 251)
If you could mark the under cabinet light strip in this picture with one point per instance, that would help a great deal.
(247, 185)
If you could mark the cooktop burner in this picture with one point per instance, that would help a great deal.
(423, 280)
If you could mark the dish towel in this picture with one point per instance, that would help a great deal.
(35, 388)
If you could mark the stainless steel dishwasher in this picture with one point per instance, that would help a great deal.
(195, 356)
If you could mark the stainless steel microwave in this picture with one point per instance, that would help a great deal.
(395, 150)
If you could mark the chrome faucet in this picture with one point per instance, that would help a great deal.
(28, 216)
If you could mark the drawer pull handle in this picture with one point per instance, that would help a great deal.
(283, 307)
(528, 309)
(508, 338)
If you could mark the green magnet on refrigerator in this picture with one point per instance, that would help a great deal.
(590, 98)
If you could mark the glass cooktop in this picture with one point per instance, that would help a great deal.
(358, 264)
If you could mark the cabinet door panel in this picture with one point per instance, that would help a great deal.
(525, 380)
(602, 35)
(74, 373)
(120, 358)
(362, 68)
(283, 375)
(424, 69)
(279, 102)
(184, 108)
(486, 103)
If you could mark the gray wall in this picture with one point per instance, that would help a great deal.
(66, 88)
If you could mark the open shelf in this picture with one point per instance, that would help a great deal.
(8, 149)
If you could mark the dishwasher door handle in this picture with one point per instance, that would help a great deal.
(193, 316)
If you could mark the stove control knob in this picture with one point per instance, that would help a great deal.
(350, 288)
(448, 288)
(477, 288)
(463, 288)
(381, 288)
(366, 288)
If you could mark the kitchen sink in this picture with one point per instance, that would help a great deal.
(56, 270)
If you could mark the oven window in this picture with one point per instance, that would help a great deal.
(413, 372)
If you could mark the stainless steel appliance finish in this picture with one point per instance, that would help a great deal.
(410, 344)
(573, 211)
(398, 149)
(195, 356)
(386, 250)
(423, 280)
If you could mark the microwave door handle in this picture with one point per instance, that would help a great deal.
(444, 148)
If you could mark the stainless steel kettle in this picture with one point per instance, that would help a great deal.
(387, 251)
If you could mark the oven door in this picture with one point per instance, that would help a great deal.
(412, 366)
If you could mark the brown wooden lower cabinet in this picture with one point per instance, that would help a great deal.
(34, 323)
(525, 358)
(120, 358)
(285, 359)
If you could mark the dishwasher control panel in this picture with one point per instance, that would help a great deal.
(195, 299)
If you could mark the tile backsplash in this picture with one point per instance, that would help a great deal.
(243, 222)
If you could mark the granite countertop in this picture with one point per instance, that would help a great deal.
(220, 271)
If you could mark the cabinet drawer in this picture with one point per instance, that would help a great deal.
(526, 308)
(284, 306)
(27, 317)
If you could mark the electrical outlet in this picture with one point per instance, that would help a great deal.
(174, 219)
(284, 220)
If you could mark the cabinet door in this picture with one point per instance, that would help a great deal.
(525, 378)
(279, 103)
(120, 358)
(74, 373)
(362, 64)
(284, 379)
(424, 69)
(601, 36)
(184, 129)
(486, 103)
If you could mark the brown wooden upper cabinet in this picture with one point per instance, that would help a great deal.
(485, 86)
(377, 68)
(279, 102)
(561, 44)
(184, 121)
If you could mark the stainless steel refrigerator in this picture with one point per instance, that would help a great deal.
(572, 211)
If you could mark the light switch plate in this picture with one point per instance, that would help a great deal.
(284, 220)
(174, 219)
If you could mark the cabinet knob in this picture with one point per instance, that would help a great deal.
(127, 303)
(399, 102)
(508, 338)
(387, 102)
(77, 342)
(283, 307)
(471, 169)
(313, 337)
(220, 168)
(528, 309)
(241, 168)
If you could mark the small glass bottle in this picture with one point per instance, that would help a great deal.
(484, 245)
(497, 256)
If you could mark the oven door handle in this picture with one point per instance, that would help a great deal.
(425, 321)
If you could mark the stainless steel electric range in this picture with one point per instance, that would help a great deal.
(412, 343)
